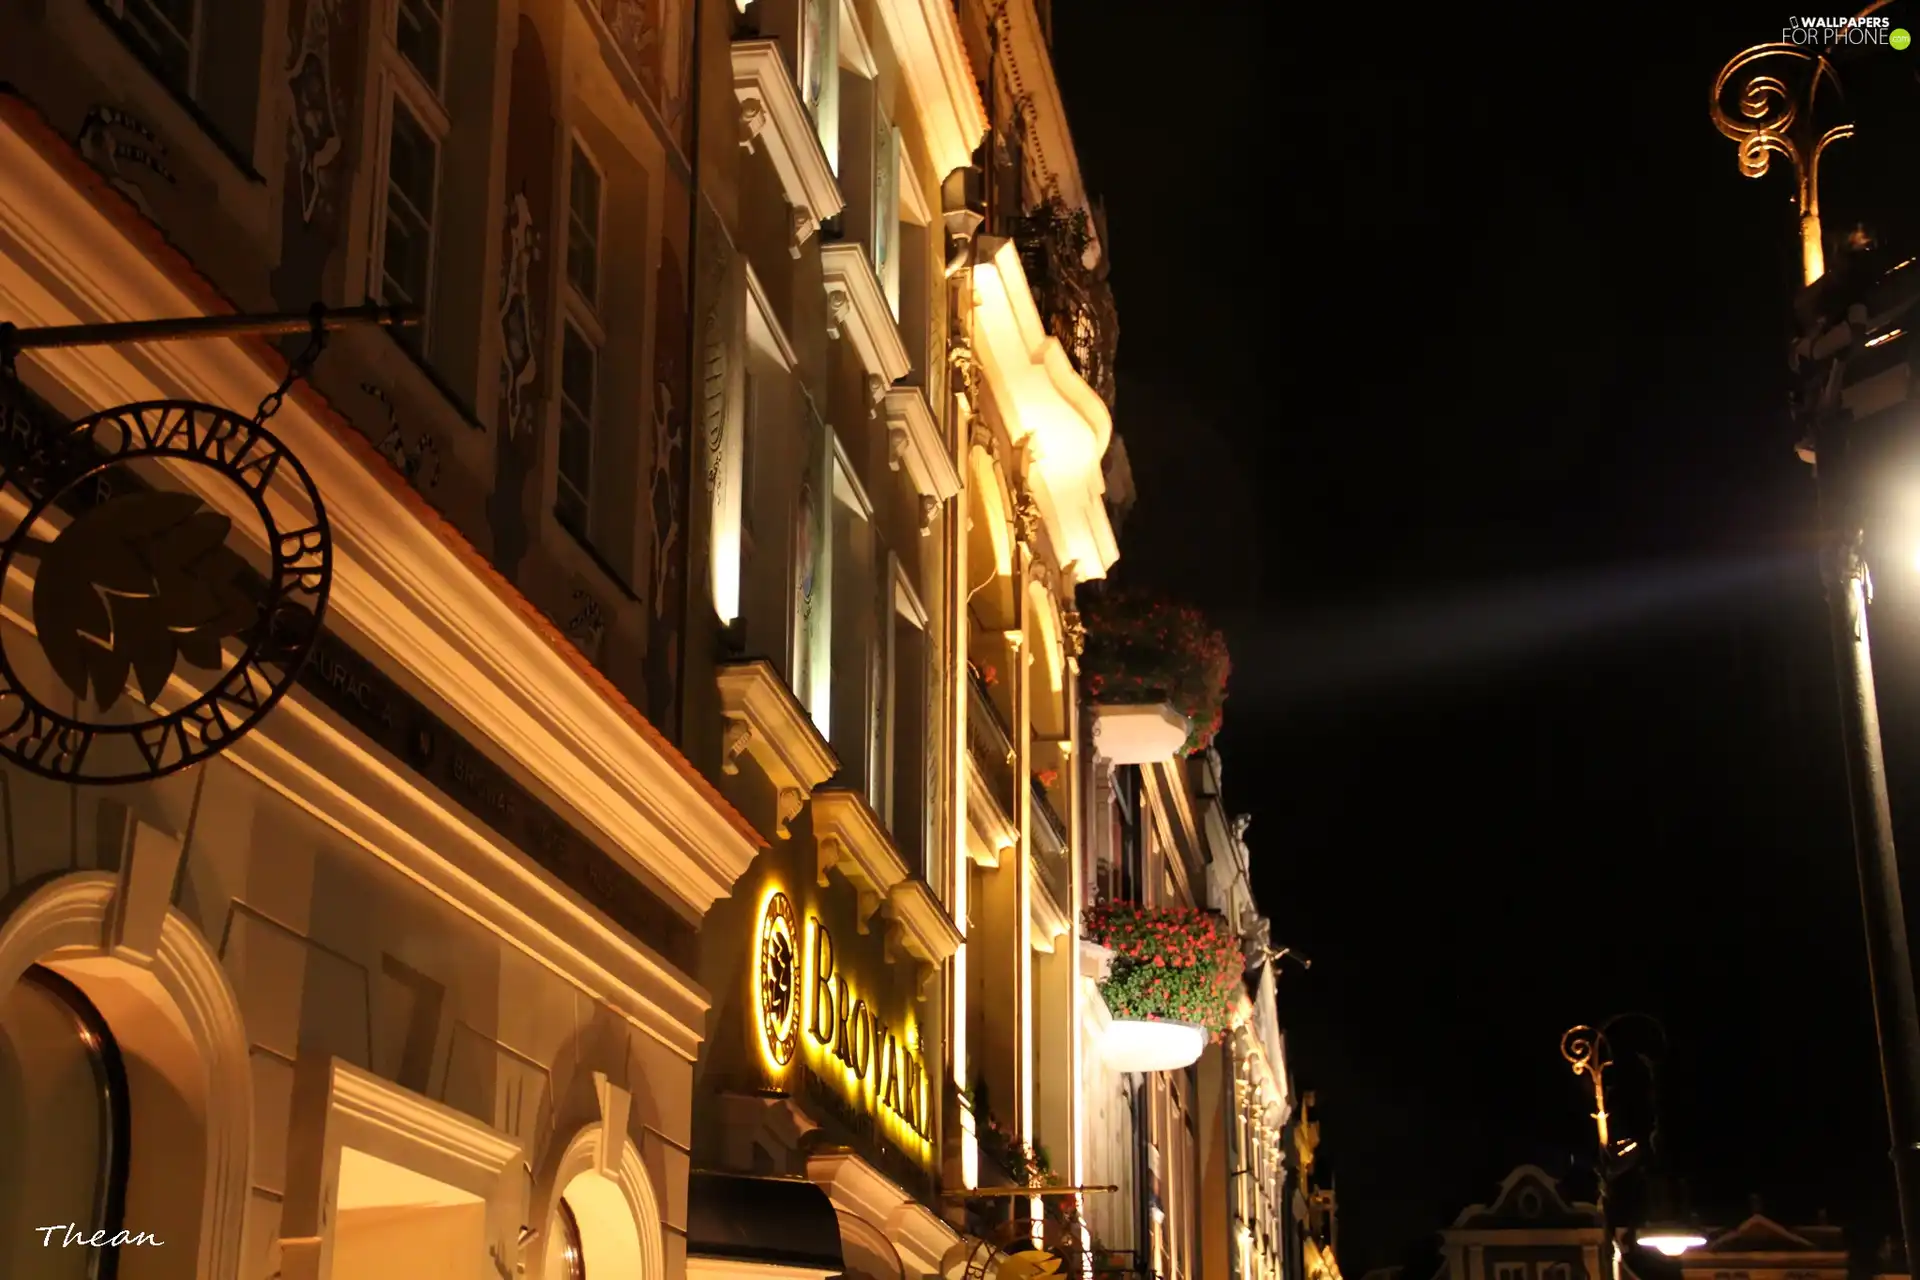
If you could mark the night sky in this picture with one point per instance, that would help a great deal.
(1452, 372)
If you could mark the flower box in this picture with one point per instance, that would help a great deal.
(1151, 667)
(1140, 733)
(1172, 984)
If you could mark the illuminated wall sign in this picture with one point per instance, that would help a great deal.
(778, 974)
(883, 1067)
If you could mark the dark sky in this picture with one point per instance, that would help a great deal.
(1452, 370)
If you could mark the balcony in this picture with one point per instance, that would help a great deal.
(1075, 302)
(990, 745)
(1049, 844)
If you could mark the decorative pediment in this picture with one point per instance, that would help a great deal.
(773, 119)
(1760, 1234)
(848, 835)
(1529, 1197)
(914, 444)
(857, 310)
(767, 723)
(919, 926)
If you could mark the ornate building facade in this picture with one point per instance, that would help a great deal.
(407, 981)
(666, 840)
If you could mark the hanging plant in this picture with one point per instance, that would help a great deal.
(1142, 648)
(1170, 964)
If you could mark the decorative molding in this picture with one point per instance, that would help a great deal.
(913, 442)
(766, 722)
(424, 600)
(1049, 411)
(920, 1237)
(849, 835)
(615, 1105)
(589, 1152)
(363, 1104)
(919, 925)
(773, 119)
(860, 313)
(1030, 72)
(67, 919)
(925, 37)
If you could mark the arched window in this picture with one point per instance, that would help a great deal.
(566, 1258)
(63, 1105)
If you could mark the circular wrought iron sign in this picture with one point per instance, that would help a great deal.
(135, 582)
(780, 979)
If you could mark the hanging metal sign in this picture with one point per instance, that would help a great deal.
(160, 642)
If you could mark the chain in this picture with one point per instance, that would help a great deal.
(297, 368)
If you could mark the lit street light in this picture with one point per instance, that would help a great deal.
(1766, 100)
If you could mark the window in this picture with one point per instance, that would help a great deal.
(419, 34)
(407, 230)
(163, 33)
(907, 724)
(63, 1105)
(820, 72)
(413, 169)
(583, 228)
(579, 368)
(886, 209)
(851, 591)
(1510, 1271)
(565, 1258)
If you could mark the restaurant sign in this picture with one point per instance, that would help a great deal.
(814, 1003)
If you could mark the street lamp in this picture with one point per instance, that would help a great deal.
(1764, 100)
(1588, 1051)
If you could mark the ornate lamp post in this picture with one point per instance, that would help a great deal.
(1589, 1053)
(1765, 100)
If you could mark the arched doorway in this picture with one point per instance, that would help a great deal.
(63, 1109)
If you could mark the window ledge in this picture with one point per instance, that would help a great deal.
(857, 310)
(913, 443)
(848, 834)
(765, 721)
(919, 926)
(772, 115)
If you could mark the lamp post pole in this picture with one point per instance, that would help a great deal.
(1764, 100)
(1588, 1053)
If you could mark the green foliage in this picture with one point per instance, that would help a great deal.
(1176, 964)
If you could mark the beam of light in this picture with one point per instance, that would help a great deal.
(1375, 647)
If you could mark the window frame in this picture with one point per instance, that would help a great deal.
(438, 87)
(577, 150)
(904, 603)
(117, 10)
(400, 83)
(569, 325)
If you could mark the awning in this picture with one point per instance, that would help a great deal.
(783, 1221)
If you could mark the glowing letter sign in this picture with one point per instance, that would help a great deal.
(883, 1068)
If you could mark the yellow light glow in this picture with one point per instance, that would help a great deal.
(777, 1034)
(821, 1050)
(1888, 336)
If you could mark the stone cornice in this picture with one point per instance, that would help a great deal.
(919, 925)
(847, 834)
(1048, 409)
(913, 443)
(773, 118)
(424, 601)
(1050, 142)
(925, 35)
(766, 722)
(857, 310)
